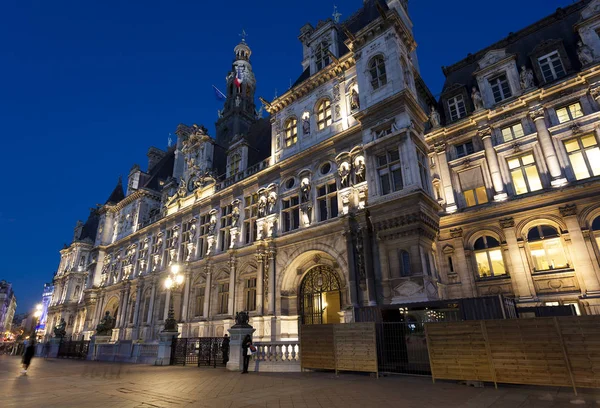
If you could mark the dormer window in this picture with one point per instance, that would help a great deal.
(500, 88)
(234, 164)
(291, 132)
(551, 66)
(322, 55)
(377, 71)
(324, 114)
(457, 108)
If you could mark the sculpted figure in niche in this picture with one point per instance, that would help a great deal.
(526, 77)
(477, 100)
(585, 53)
(238, 101)
(212, 225)
(272, 200)
(262, 206)
(434, 117)
(344, 173)
(182, 190)
(360, 171)
(354, 100)
(235, 216)
(306, 125)
(305, 188)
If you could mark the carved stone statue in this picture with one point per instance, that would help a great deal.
(306, 126)
(235, 216)
(354, 100)
(359, 173)
(262, 206)
(477, 100)
(242, 319)
(526, 77)
(104, 328)
(344, 173)
(434, 117)
(212, 225)
(272, 200)
(305, 188)
(182, 190)
(60, 329)
(585, 53)
(238, 101)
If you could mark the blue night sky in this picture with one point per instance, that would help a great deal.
(87, 86)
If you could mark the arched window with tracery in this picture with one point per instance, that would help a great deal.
(545, 248)
(322, 55)
(324, 114)
(377, 71)
(291, 132)
(488, 256)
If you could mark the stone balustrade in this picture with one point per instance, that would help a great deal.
(280, 356)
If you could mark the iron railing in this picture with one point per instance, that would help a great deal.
(73, 349)
(200, 351)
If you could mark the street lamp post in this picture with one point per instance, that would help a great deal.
(37, 314)
(173, 281)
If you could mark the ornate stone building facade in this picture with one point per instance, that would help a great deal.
(515, 165)
(354, 192)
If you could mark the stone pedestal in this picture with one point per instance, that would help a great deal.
(164, 347)
(236, 336)
(54, 344)
(94, 340)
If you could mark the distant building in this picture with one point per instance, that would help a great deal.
(8, 306)
(46, 299)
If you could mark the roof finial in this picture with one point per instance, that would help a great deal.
(243, 35)
(336, 15)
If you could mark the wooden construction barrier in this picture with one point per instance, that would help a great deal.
(559, 351)
(339, 347)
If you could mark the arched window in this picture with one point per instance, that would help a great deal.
(596, 230)
(322, 55)
(76, 293)
(404, 260)
(546, 248)
(488, 256)
(323, 114)
(291, 132)
(234, 164)
(377, 71)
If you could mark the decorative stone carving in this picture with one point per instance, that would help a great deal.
(507, 222)
(104, 328)
(434, 117)
(305, 212)
(354, 100)
(272, 202)
(344, 173)
(306, 123)
(456, 232)
(485, 131)
(345, 197)
(408, 289)
(212, 223)
(242, 319)
(210, 240)
(260, 228)
(262, 206)
(568, 210)
(305, 189)
(477, 100)
(526, 78)
(271, 220)
(359, 170)
(361, 194)
(595, 91)
(585, 53)
(60, 329)
(537, 112)
(336, 92)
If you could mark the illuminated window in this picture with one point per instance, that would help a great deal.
(223, 298)
(377, 71)
(473, 187)
(551, 66)
(389, 171)
(290, 213)
(250, 216)
(250, 295)
(322, 55)
(457, 108)
(234, 164)
(500, 88)
(584, 155)
(512, 132)
(226, 220)
(291, 132)
(324, 114)
(327, 201)
(199, 309)
(524, 174)
(546, 248)
(488, 256)
(570, 112)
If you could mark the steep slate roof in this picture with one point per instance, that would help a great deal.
(558, 25)
(117, 194)
(90, 228)
(161, 170)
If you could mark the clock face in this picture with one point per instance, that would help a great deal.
(191, 181)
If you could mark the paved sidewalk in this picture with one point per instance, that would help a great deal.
(67, 383)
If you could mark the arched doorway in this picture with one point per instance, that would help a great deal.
(320, 296)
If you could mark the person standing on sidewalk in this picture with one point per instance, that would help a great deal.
(28, 355)
(225, 349)
(246, 352)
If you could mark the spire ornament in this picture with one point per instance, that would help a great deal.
(336, 14)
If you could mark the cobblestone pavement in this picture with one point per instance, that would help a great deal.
(65, 383)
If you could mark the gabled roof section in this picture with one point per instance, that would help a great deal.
(161, 170)
(118, 194)
(90, 228)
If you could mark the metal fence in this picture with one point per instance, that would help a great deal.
(73, 349)
(402, 348)
(200, 351)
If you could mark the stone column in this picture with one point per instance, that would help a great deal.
(442, 162)
(232, 288)
(186, 297)
(580, 256)
(125, 305)
(351, 267)
(98, 311)
(260, 282)
(151, 307)
(364, 234)
(207, 293)
(136, 309)
(492, 161)
(236, 336)
(272, 277)
(520, 276)
(537, 115)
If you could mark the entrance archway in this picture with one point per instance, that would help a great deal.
(320, 296)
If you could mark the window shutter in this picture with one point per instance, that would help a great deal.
(471, 179)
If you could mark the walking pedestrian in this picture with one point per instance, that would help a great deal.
(28, 355)
(46, 349)
(246, 352)
(225, 349)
